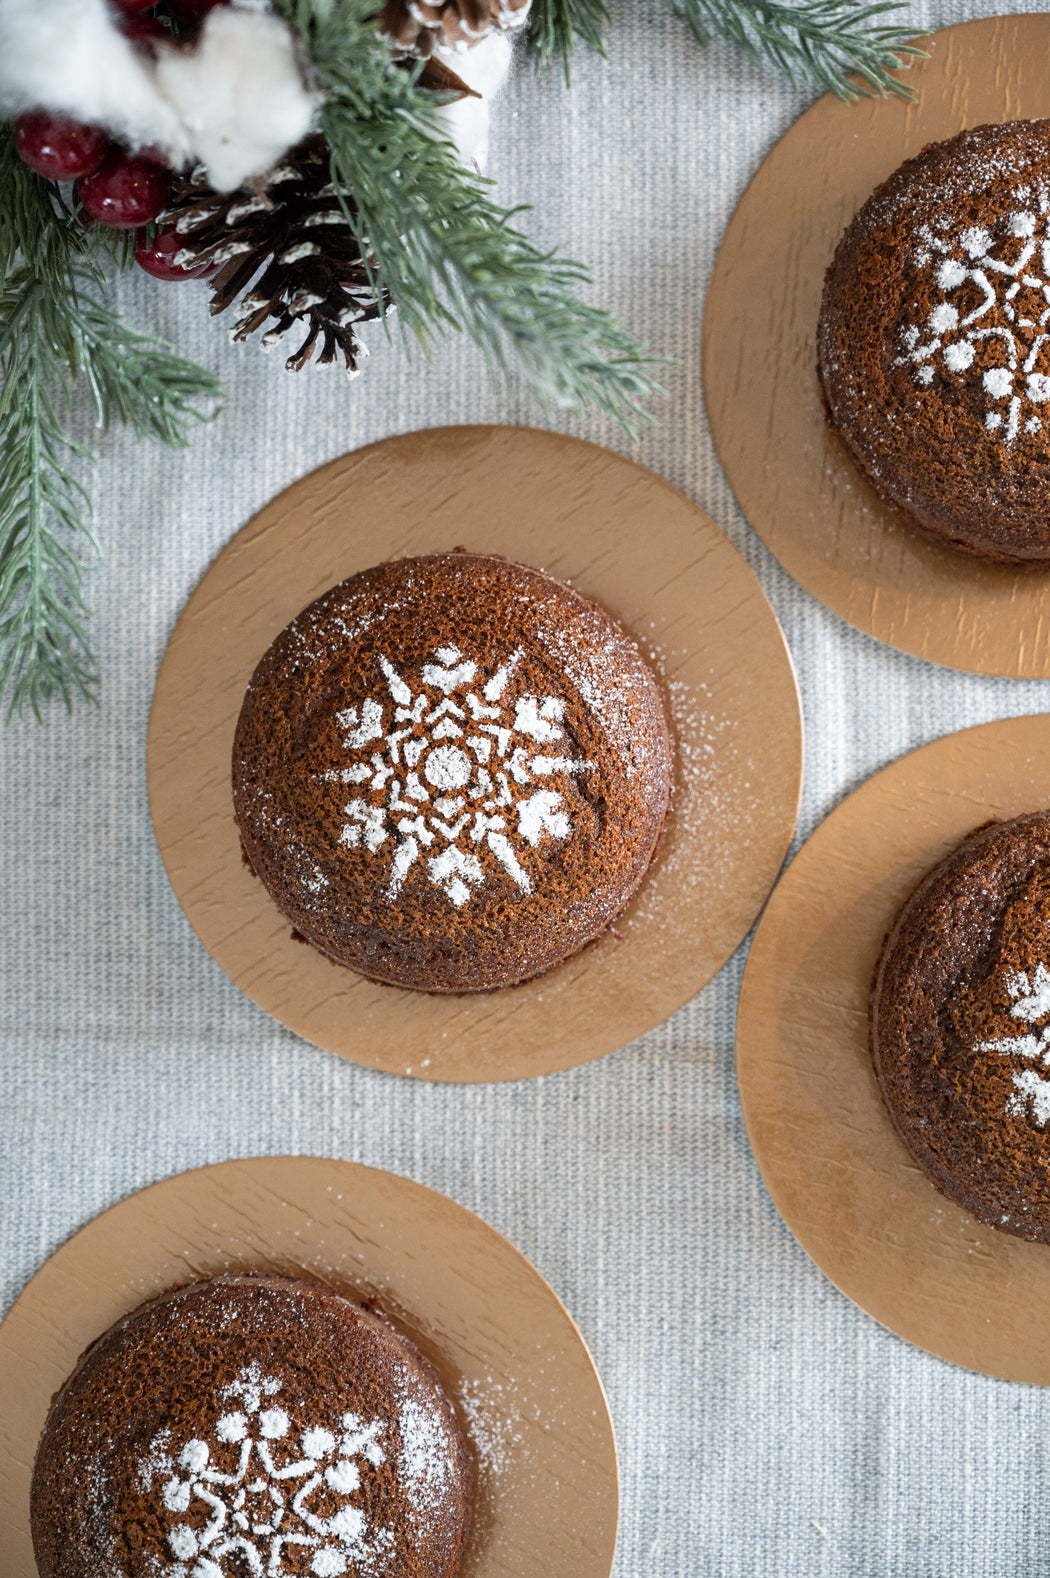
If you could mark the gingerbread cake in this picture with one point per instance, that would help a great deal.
(251, 1424)
(451, 772)
(960, 1025)
(934, 342)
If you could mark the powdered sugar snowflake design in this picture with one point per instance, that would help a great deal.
(268, 1503)
(445, 766)
(1011, 274)
(1031, 1003)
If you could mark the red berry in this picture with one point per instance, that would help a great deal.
(143, 29)
(153, 154)
(195, 8)
(134, 7)
(158, 257)
(60, 148)
(124, 192)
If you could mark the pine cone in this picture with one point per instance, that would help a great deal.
(419, 28)
(293, 229)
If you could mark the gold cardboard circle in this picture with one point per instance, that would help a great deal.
(831, 1159)
(791, 475)
(663, 570)
(526, 1391)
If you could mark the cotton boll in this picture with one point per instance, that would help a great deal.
(239, 94)
(236, 101)
(483, 67)
(68, 56)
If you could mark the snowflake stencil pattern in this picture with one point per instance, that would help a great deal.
(1031, 1003)
(1011, 276)
(265, 1506)
(448, 767)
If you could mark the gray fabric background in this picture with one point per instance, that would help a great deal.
(765, 1425)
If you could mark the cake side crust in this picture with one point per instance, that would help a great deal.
(956, 1025)
(932, 351)
(251, 1419)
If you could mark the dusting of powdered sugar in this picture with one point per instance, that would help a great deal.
(1000, 159)
(720, 800)
(423, 1461)
(494, 1423)
(596, 672)
(99, 1501)
(157, 1460)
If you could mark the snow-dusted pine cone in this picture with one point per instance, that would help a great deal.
(292, 239)
(420, 28)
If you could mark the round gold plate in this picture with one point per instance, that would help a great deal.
(622, 537)
(791, 475)
(836, 1170)
(526, 1392)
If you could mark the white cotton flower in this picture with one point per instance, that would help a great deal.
(484, 67)
(68, 56)
(239, 95)
(235, 101)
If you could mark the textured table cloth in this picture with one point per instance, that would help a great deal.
(765, 1425)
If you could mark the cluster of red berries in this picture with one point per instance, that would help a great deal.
(126, 191)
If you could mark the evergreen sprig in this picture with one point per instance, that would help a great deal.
(835, 45)
(43, 651)
(54, 331)
(446, 253)
(449, 257)
(556, 25)
(842, 46)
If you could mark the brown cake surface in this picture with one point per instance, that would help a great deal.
(933, 346)
(960, 1025)
(251, 1425)
(452, 772)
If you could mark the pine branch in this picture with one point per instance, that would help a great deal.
(54, 330)
(449, 257)
(43, 652)
(555, 25)
(819, 43)
(137, 380)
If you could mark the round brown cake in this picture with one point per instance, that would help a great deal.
(451, 772)
(934, 341)
(960, 1025)
(251, 1425)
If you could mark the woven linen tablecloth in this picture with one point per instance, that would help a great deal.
(765, 1425)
